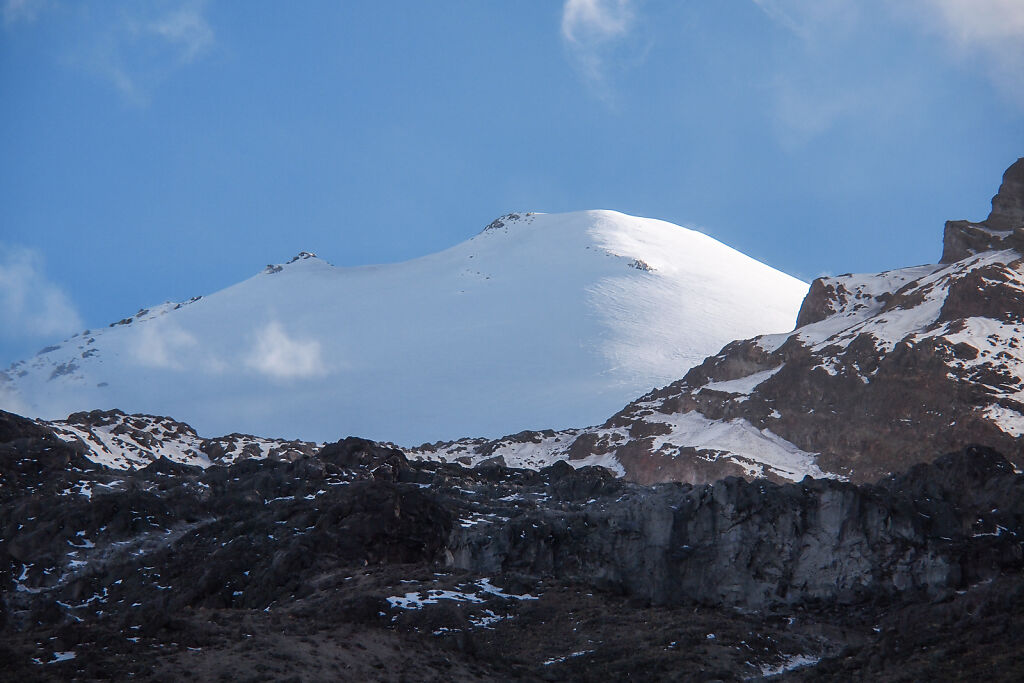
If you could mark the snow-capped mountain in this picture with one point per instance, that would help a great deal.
(538, 321)
(883, 371)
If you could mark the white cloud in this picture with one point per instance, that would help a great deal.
(592, 28)
(991, 30)
(589, 21)
(30, 304)
(283, 357)
(802, 113)
(980, 23)
(186, 29)
(811, 18)
(988, 31)
(17, 11)
(134, 46)
(161, 344)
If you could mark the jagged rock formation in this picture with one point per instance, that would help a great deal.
(355, 562)
(1003, 229)
(113, 439)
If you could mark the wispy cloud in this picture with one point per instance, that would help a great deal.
(134, 46)
(592, 29)
(590, 21)
(162, 344)
(17, 11)
(139, 48)
(281, 356)
(989, 33)
(801, 113)
(811, 18)
(185, 30)
(32, 306)
(989, 30)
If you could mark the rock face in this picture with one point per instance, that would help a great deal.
(1003, 229)
(756, 544)
(355, 562)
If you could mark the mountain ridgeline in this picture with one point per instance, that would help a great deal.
(843, 501)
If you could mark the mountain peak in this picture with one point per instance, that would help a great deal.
(301, 256)
(1003, 229)
(558, 323)
(1008, 204)
(502, 222)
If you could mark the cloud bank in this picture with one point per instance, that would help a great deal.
(31, 306)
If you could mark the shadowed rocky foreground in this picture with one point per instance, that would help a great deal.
(353, 563)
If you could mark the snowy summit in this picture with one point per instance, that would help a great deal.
(539, 321)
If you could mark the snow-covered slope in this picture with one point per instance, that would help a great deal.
(898, 365)
(538, 321)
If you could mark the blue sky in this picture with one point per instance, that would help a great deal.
(153, 151)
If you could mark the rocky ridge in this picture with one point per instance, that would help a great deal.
(1004, 227)
(354, 561)
(113, 439)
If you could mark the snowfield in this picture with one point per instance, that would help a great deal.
(539, 321)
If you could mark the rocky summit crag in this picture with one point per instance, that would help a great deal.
(1004, 227)
(355, 563)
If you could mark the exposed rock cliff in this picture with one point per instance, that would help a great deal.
(354, 562)
(1003, 229)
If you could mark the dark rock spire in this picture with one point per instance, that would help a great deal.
(1003, 229)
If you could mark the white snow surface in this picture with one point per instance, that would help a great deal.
(889, 308)
(742, 385)
(540, 321)
(759, 452)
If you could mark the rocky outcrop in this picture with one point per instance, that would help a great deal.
(114, 439)
(756, 544)
(434, 571)
(1003, 229)
(439, 572)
